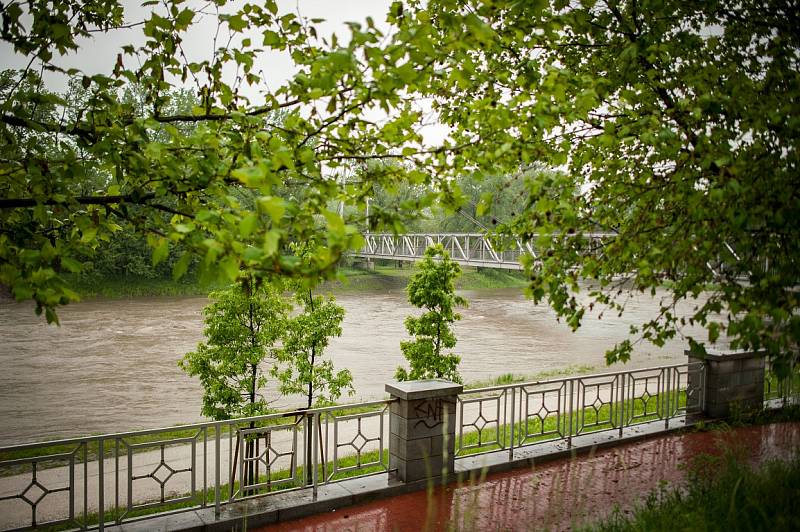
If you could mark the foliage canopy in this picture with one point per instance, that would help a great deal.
(674, 125)
(303, 370)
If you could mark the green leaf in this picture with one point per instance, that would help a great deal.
(272, 239)
(71, 264)
(160, 251)
(230, 267)
(247, 225)
(274, 207)
(181, 266)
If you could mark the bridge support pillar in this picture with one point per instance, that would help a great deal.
(422, 423)
(364, 264)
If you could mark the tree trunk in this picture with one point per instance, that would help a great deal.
(310, 401)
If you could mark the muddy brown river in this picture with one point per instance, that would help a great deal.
(112, 364)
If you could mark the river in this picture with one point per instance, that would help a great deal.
(112, 364)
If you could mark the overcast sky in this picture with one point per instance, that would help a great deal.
(98, 54)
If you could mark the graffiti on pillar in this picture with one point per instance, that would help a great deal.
(431, 412)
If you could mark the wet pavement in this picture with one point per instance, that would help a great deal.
(561, 494)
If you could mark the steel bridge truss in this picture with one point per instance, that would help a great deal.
(477, 249)
(467, 249)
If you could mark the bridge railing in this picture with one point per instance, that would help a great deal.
(472, 249)
(115, 478)
(512, 416)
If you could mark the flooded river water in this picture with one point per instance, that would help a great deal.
(112, 364)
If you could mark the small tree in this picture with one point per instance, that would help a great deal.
(307, 335)
(432, 287)
(242, 326)
(303, 371)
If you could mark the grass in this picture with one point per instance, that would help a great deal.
(133, 286)
(552, 428)
(92, 449)
(774, 387)
(109, 448)
(383, 277)
(723, 494)
(511, 378)
(473, 441)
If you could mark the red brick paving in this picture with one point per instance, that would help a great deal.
(557, 494)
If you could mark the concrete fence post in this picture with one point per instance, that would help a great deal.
(422, 423)
(733, 380)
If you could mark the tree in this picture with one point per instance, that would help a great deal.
(178, 184)
(432, 287)
(302, 369)
(672, 125)
(243, 324)
(675, 126)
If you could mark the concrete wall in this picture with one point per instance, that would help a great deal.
(733, 380)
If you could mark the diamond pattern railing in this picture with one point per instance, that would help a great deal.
(517, 415)
(88, 483)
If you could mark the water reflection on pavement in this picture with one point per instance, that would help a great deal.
(557, 495)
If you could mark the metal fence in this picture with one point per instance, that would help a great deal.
(110, 479)
(784, 390)
(508, 417)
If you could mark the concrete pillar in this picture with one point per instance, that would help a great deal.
(422, 423)
(734, 381)
(364, 264)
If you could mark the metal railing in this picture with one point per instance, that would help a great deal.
(114, 478)
(511, 416)
(784, 390)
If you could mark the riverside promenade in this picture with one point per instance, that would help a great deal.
(427, 434)
(560, 494)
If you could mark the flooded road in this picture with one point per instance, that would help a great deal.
(112, 365)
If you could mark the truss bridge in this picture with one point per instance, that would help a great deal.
(467, 249)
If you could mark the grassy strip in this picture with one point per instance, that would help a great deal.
(723, 494)
(537, 430)
(774, 386)
(351, 280)
(92, 446)
(511, 378)
(133, 286)
(92, 449)
(109, 448)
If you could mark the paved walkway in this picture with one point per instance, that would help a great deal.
(556, 495)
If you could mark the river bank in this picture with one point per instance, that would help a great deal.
(349, 280)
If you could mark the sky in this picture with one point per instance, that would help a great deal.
(98, 54)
